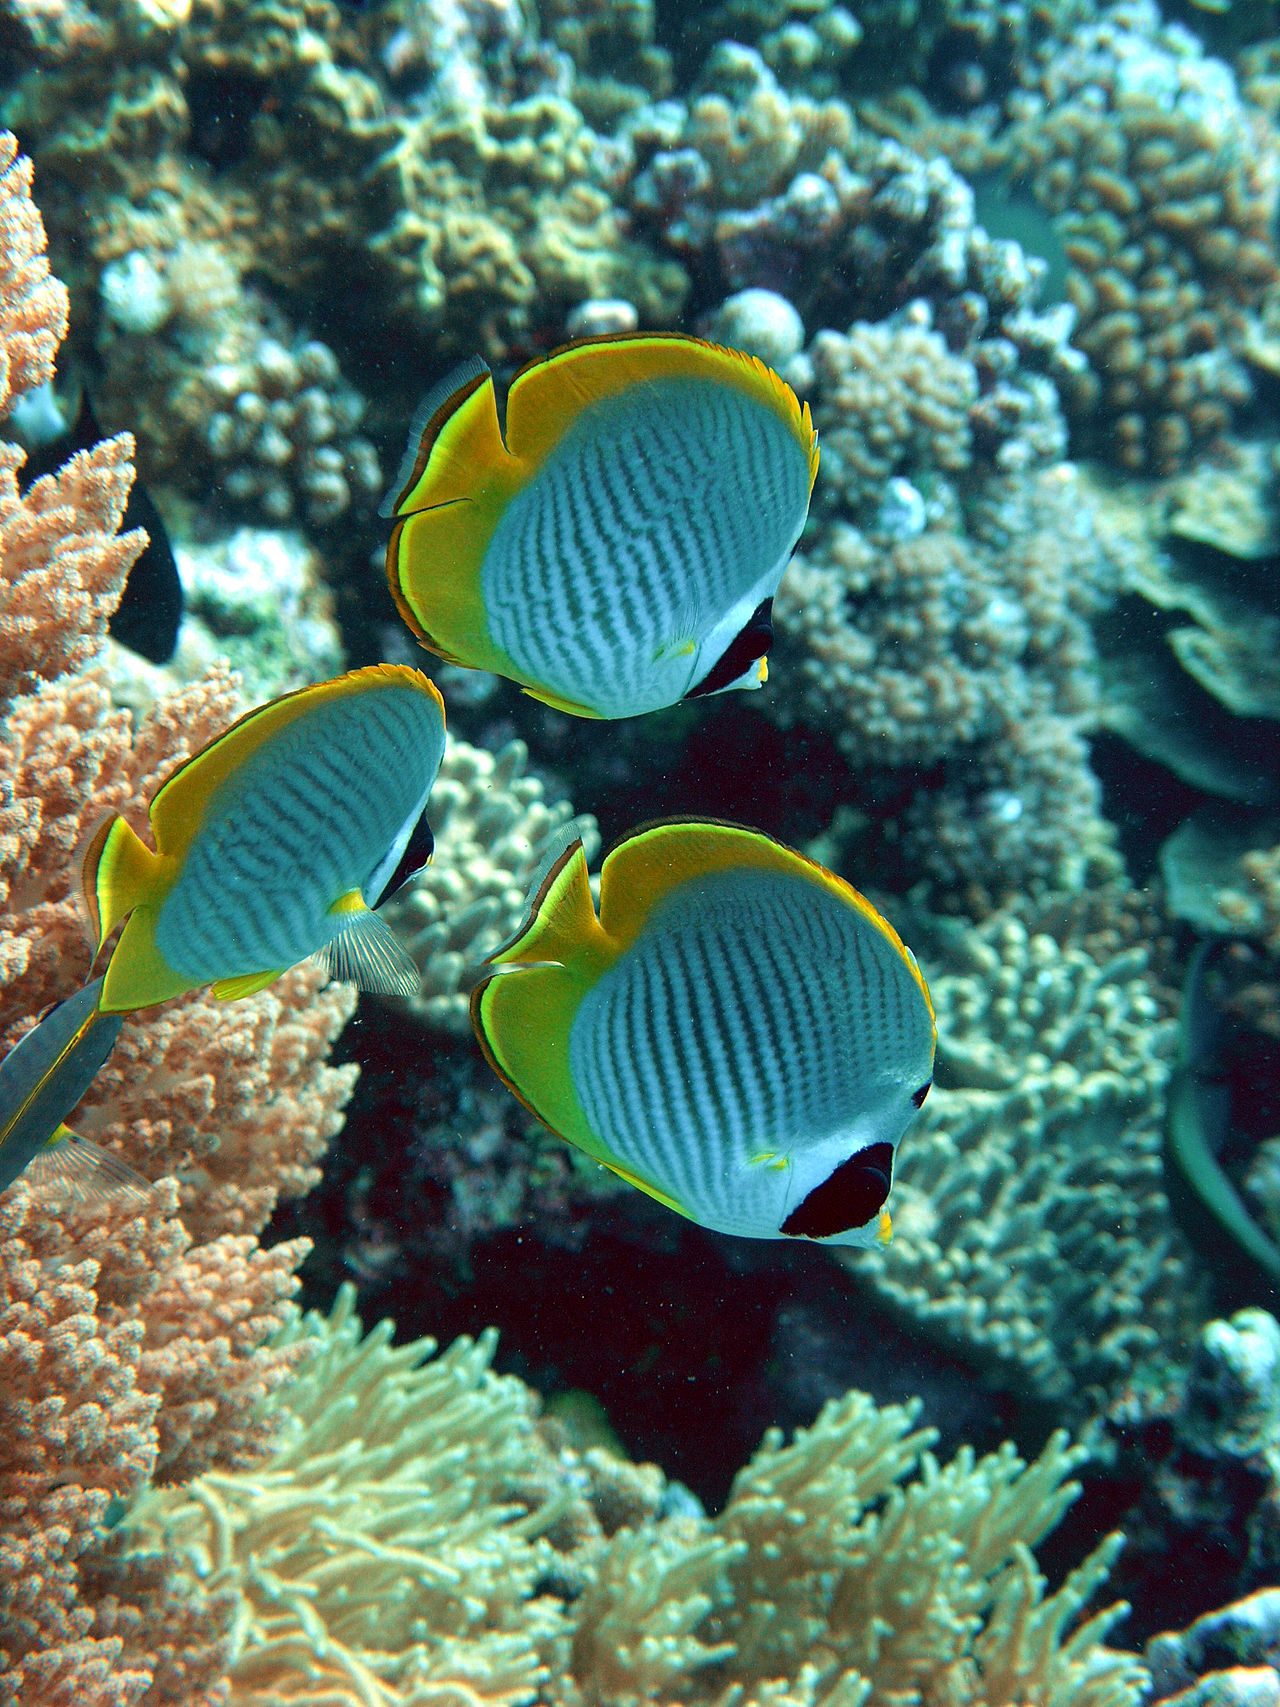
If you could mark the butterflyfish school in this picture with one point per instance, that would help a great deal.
(739, 1033)
(275, 842)
(615, 543)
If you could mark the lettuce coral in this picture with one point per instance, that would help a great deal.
(416, 1537)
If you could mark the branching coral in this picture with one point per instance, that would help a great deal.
(1032, 1233)
(133, 1340)
(414, 1535)
(33, 315)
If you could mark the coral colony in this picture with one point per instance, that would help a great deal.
(1020, 263)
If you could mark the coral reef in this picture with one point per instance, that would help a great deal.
(940, 606)
(1165, 185)
(492, 825)
(146, 1356)
(1031, 1229)
(416, 1531)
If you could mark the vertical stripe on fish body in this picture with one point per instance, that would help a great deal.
(607, 551)
(739, 1032)
(273, 843)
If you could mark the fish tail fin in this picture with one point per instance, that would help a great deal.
(118, 871)
(84, 1170)
(366, 952)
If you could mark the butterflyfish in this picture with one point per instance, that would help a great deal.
(613, 541)
(42, 1078)
(738, 1032)
(274, 842)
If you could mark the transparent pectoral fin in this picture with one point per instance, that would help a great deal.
(84, 1169)
(366, 952)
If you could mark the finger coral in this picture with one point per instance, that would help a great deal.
(414, 1535)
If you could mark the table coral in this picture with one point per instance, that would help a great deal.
(414, 1534)
(1032, 1233)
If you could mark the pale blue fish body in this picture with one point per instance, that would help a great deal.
(324, 809)
(666, 514)
(758, 1034)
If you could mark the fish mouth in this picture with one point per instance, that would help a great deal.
(849, 1198)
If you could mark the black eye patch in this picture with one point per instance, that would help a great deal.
(753, 642)
(417, 854)
(848, 1198)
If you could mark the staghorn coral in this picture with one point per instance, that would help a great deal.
(415, 1535)
(492, 825)
(1032, 1234)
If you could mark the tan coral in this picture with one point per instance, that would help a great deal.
(33, 304)
(388, 1554)
(63, 561)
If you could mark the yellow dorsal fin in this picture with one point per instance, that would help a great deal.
(549, 393)
(560, 925)
(119, 872)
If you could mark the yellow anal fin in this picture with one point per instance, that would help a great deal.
(366, 952)
(245, 984)
(571, 707)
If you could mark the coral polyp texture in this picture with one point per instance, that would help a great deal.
(416, 1532)
(132, 1339)
(938, 611)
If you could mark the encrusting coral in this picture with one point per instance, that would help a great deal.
(145, 1357)
(417, 1535)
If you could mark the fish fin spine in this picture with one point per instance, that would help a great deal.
(86, 1171)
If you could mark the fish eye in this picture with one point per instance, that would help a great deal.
(917, 1097)
(850, 1197)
